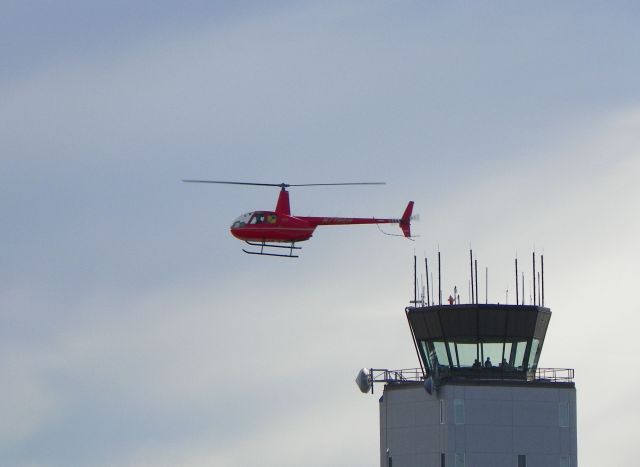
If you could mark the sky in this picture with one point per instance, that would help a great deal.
(135, 332)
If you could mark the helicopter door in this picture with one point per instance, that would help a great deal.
(258, 218)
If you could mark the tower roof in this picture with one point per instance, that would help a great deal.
(460, 322)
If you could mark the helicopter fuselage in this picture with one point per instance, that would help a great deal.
(273, 226)
(269, 226)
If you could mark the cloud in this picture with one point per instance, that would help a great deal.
(26, 405)
(136, 333)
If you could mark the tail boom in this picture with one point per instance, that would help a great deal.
(404, 221)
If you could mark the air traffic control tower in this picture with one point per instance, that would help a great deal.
(479, 398)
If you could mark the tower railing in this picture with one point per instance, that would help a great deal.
(413, 375)
(555, 375)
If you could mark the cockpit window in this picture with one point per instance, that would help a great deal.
(258, 218)
(242, 220)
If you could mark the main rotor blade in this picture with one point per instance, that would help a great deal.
(233, 183)
(284, 185)
(346, 183)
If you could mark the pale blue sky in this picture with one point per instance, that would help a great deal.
(133, 329)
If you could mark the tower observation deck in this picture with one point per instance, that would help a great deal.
(479, 341)
(479, 398)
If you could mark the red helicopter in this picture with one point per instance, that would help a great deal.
(269, 229)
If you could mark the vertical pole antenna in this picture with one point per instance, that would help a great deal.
(517, 302)
(539, 292)
(426, 266)
(477, 294)
(439, 282)
(542, 267)
(471, 269)
(534, 278)
(486, 285)
(415, 280)
(523, 288)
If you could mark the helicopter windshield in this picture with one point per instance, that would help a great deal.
(242, 220)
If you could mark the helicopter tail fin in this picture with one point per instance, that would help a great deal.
(405, 220)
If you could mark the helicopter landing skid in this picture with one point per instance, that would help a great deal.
(264, 245)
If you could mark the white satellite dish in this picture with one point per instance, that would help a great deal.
(429, 386)
(363, 380)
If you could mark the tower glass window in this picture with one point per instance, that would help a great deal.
(506, 356)
(520, 347)
(466, 354)
(522, 460)
(492, 353)
(441, 353)
(459, 459)
(532, 354)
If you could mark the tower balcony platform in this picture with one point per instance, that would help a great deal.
(542, 377)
